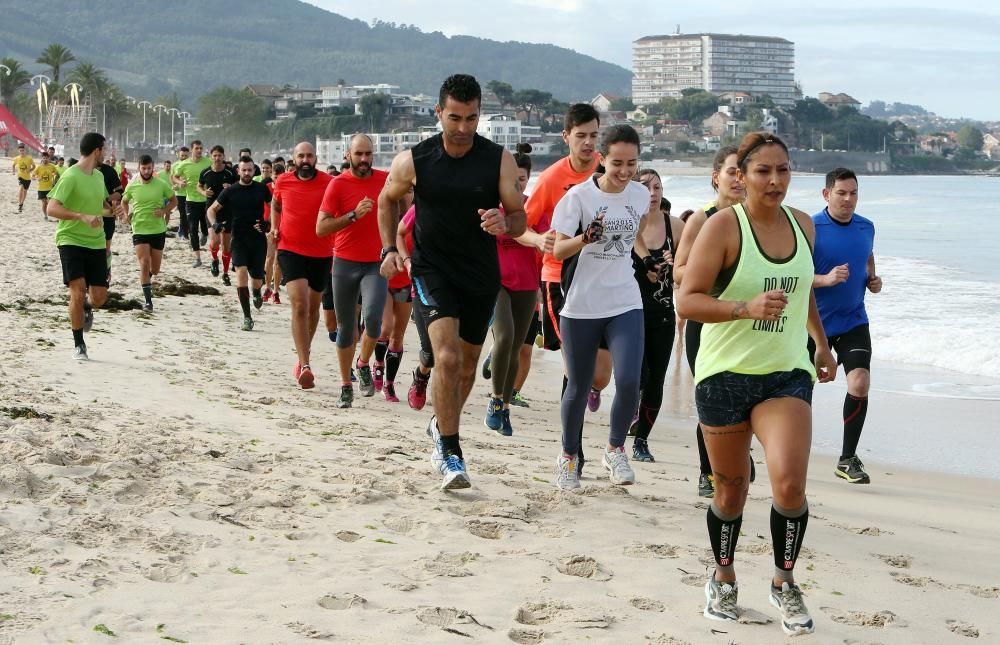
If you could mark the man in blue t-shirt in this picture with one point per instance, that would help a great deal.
(845, 267)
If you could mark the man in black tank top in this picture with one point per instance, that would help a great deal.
(459, 180)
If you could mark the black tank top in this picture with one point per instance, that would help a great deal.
(657, 297)
(447, 238)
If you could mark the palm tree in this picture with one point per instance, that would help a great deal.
(92, 80)
(56, 56)
(10, 84)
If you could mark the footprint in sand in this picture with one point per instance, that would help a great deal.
(582, 566)
(897, 561)
(981, 592)
(341, 601)
(651, 551)
(963, 629)
(487, 530)
(347, 536)
(647, 604)
(309, 631)
(913, 581)
(548, 612)
(693, 580)
(526, 636)
(878, 619)
(447, 618)
(867, 530)
(443, 565)
(538, 613)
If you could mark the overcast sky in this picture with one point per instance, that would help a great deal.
(943, 56)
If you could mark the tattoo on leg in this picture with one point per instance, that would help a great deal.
(721, 432)
(726, 480)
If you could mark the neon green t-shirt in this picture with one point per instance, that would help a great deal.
(144, 200)
(61, 169)
(190, 170)
(80, 193)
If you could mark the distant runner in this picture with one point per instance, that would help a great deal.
(149, 201)
(23, 166)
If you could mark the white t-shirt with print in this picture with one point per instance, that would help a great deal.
(603, 284)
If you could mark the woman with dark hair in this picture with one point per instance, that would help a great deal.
(654, 275)
(597, 225)
(513, 312)
(749, 281)
(729, 188)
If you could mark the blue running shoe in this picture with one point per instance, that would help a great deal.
(506, 430)
(494, 414)
(451, 466)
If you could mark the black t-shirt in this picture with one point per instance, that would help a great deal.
(216, 180)
(245, 206)
(657, 297)
(447, 238)
(112, 181)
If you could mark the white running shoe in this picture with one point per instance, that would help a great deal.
(720, 600)
(80, 353)
(451, 467)
(567, 473)
(619, 470)
(795, 618)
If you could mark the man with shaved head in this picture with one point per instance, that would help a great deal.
(304, 256)
(349, 209)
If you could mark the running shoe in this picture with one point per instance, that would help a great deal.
(795, 618)
(332, 335)
(720, 600)
(640, 451)
(378, 375)
(226, 281)
(494, 414)
(247, 324)
(88, 318)
(346, 396)
(487, 372)
(853, 471)
(80, 353)
(450, 465)
(365, 383)
(258, 302)
(389, 390)
(306, 379)
(417, 394)
(267, 295)
(196, 263)
(147, 306)
(567, 472)
(20, 208)
(506, 430)
(594, 400)
(519, 400)
(215, 269)
(276, 298)
(619, 470)
(706, 485)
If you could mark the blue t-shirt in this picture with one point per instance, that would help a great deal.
(842, 306)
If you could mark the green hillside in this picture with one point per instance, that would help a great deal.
(154, 48)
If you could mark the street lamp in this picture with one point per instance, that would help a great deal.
(143, 105)
(42, 94)
(73, 89)
(159, 112)
(184, 116)
(172, 112)
(5, 68)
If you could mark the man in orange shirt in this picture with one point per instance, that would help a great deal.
(305, 257)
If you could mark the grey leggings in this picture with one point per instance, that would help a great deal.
(349, 280)
(511, 319)
(581, 338)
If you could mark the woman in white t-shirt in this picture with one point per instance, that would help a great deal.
(597, 225)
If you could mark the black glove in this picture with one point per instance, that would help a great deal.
(594, 231)
(650, 263)
(217, 227)
(265, 226)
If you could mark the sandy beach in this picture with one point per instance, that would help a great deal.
(179, 487)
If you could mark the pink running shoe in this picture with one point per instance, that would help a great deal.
(390, 393)
(378, 375)
(417, 396)
(594, 400)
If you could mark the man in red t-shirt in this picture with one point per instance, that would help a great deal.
(350, 209)
(305, 258)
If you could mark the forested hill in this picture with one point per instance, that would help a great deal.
(151, 48)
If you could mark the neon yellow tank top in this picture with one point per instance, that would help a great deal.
(762, 346)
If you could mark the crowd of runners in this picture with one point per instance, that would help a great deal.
(592, 263)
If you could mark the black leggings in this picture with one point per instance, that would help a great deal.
(692, 341)
(426, 353)
(511, 320)
(656, 356)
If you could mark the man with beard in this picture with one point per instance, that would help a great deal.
(212, 181)
(305, 258)
(458, 178)
(245, 202)
(185, 177)
(349, 210)
(150, 202)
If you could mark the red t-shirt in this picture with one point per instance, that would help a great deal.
(402, 279)
(519, 264)
(360, 241)
(300, 201)
(549, 189)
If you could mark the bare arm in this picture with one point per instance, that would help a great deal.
(402, 175)
(683, 251)
(213, 212)
(275, 217)
(511, 197)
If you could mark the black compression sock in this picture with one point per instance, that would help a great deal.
(77, 337)
(450, 445)
(788, 526)
(392, 361)
(244, 294)
(647, 417)
(723, 534)
(256, 293)
(855, 411)
(147, 292)
(706, 467)
(381, 347)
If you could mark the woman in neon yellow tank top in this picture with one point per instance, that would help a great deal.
(749, 280)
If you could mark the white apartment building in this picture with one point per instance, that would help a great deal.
(662, 66)
(507, 131)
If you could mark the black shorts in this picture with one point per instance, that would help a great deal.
(315, 271)
(438, 298)
(534, 329)
(853, 348)
(81, 262)
(727, 398)
(25, 183)
(43, 194)
(250, 251)
(109, 227)
(156, 241)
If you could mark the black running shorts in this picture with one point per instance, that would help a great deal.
(438, 298)
(43, 194)
(250, 251)
(315, 271)
(81, 262)
(156, 241)
(853, 348)
(728, 399)
(25, 183)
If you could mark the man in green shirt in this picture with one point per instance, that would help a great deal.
(150, 202)
(185, 177)
(78, 201)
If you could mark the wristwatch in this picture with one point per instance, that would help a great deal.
(352, 216)
(386, 251)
